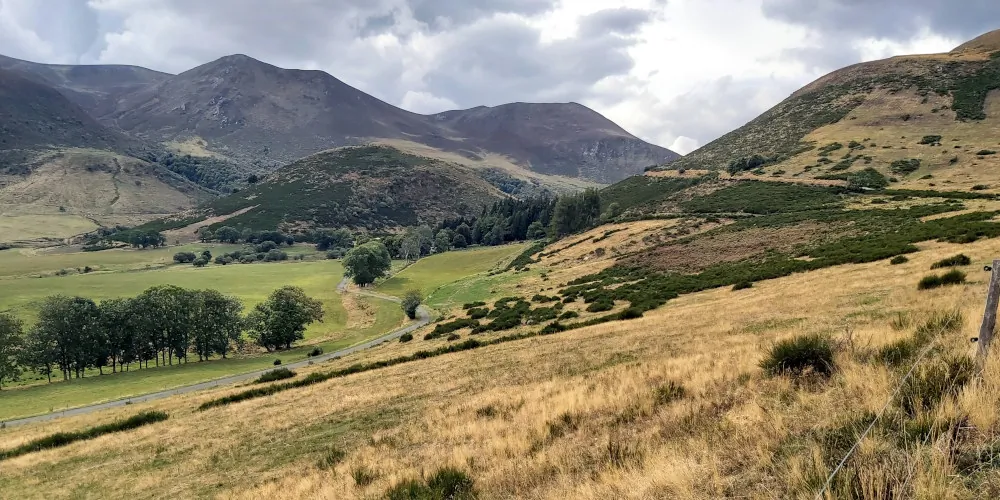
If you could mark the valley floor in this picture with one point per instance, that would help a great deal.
(589, 413)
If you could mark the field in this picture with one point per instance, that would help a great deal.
(348, 319)
(24, 227)
(430, 273)
(592, 418)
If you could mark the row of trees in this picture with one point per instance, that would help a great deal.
(162, 324)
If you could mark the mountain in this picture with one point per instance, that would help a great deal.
(55, 159)
(35, 115)
(95, 88)
(563, 139)
(257, 112)
(362, 187)
(924, 121)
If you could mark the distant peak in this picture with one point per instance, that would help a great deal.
(989, 42)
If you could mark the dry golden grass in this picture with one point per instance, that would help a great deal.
(573, 415)
(890, 126)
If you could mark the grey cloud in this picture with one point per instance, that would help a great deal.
(444, 14)
(502, 60)
(899, 20)
(622, 21)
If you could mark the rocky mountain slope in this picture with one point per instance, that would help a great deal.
(95, 88)
(263, 116)
(369, 187)
(923, 121)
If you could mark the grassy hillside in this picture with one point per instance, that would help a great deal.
(372, 187)
(936, 112)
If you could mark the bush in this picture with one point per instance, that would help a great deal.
(315, 352)
(275, 255)
(332, 457)
(406, 337)
(953, 277)
(478, 312)
(200, 262)
(60, 439)
(980, 187)
(743, 285)
(897, 353)
(453, 337)
(569, 315)
(277, 362)
(933, 382)
(899, 259)
(411, 301)
(601, 305)
(470, 305)
(928, 282)
(796, 356)
(957, 260)
(930, 140)
(986, 152)
(273, 375)
(630, 313)
(184, 257)
(445, 484)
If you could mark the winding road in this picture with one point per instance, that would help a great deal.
(423, 317)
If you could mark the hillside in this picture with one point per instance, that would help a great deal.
(35, 115)
(95, 88)
(926, 120)
(257, 112)
(365, 187)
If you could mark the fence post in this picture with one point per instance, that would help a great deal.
(990, 316)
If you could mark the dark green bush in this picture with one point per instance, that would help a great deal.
(406, 337)
(929, 282)
(986, 152)
(470, 305)
(569, 315)
(930, 140)
(899, 259)
(980, 187)
(315, 352)
(601, 305)
(453, 337)
(957, 260)
(60, 439)
(806, 353)
(273, 375)
(743, 285)
(630, 313)
(953, 277)
(904, 167)
(277, 362)
(478, 312)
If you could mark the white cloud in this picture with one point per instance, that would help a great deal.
(674, 72)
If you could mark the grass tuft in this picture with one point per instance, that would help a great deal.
(799, 355)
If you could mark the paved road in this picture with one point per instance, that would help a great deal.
(423, 317)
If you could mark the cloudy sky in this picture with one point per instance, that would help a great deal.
(678, 73)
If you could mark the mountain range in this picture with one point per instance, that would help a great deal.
(254, 113)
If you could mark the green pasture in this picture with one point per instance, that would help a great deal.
(430, 273)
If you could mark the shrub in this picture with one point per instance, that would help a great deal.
(331, 458)
(275, 255)
(986, 152)
(453, 337)
(364, 475)
(630, 313)
(796, 356)
(904, 167)
(445, 484)
(980, 187)
(411, 301)
(184, 257)
(897, 353)
(928, 282)
(406, 337)
(60, 439)
(273, 375)
(899, 259)
(601, 305)
(957, 260)
(930, 140)
(669, 392)
(470, 305)
(953, 277)
(200, 262)
(478, 312)
(569, 315)
(743, 285)
(277, 362)
(933, 382)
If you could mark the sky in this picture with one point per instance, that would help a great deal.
(678, 73)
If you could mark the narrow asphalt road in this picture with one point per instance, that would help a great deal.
(423, 317)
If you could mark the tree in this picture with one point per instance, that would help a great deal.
(442, 241)
(411, 301)
(337, 238)
(282, 319)
(164, 315)
(535, 231)
(367, 263)
(205, 234)
(69, 324)
(117, 322)
(39, 352)
(227, 234)
(459, 241)
(466, 232)
(184, 257)
(215, 323)
(577, 212)
(409, 247)
(200, 262)
(11, 343)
